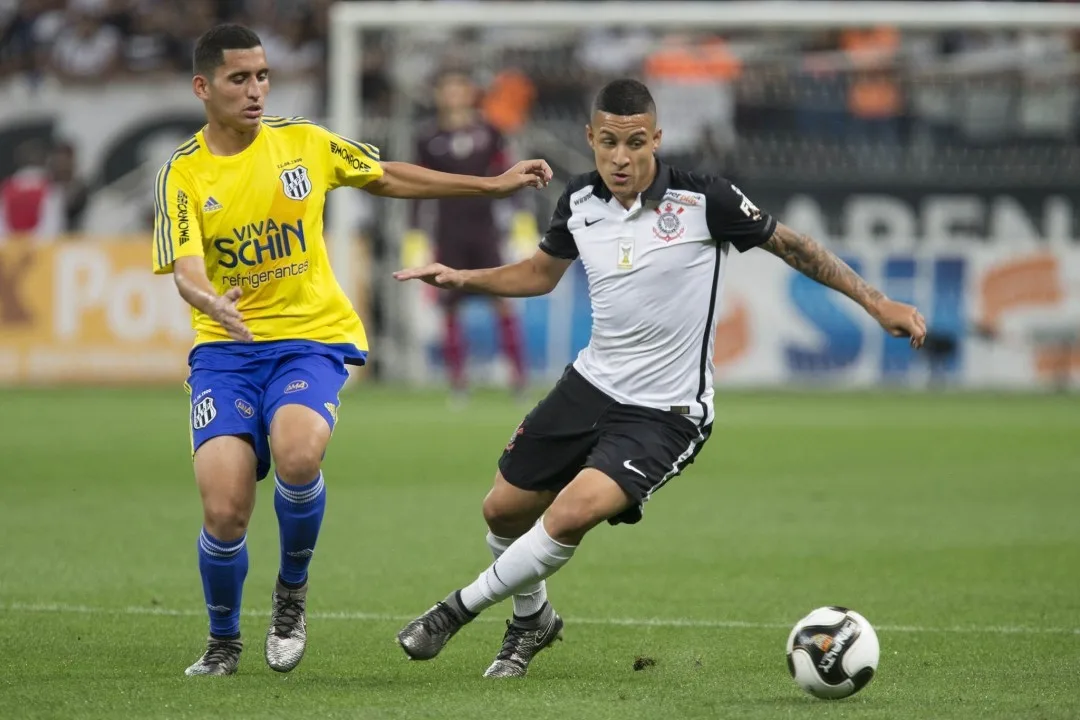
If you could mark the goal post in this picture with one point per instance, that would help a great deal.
(403, 29)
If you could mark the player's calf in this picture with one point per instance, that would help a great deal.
(298, 438)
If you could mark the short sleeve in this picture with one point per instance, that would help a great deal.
(558, 241)
(177, 232)
(733, 218)
(351, 163)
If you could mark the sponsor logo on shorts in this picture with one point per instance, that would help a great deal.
(296, 386)
(244, 409)
(203, 413)
(513, 438)
(332, 409)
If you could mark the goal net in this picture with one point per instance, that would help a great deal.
(934, 144)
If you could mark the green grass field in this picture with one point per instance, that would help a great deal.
(951, 522)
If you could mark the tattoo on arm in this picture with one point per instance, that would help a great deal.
(815, 261)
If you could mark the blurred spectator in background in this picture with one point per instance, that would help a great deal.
(30, 207)
(151, 46)
(293, 47)
(874, 96)
(70, 189)
(465, 232)
(696, 75)
(86, 50)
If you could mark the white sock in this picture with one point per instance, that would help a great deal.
(529, 559)
(527, 601)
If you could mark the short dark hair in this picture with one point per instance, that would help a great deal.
(624, 97)
(212, 44)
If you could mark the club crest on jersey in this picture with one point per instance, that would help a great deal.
(203, 413)
(668, 226)
(296, 183)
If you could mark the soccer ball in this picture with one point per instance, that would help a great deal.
(832, 652)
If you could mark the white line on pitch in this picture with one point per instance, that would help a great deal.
(630, 622)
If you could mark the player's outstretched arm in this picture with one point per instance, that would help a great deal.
(816, 261)
(189, 273)
(405, 180)
(537, 275)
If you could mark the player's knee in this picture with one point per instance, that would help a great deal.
(226, 519)
(504, 520)
(298, 464)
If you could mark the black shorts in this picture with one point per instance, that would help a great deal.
(578, 426)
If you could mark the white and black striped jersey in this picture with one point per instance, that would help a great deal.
(655, 275)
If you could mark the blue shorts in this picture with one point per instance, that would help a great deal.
(237, 387)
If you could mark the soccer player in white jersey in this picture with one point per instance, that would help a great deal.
(636, 406)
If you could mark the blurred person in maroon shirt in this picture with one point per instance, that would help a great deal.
(31, 208)
(464, 231)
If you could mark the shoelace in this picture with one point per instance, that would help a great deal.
(440, 621)
(288, 616)
(511, 640)
(219, 653)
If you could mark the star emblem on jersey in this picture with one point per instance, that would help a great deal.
(296, 183)
(668, 226)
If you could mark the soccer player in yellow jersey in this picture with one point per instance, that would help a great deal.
(239, 225)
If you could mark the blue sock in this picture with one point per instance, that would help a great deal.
(223, 566)
(300, 512)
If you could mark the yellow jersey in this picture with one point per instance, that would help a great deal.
(256, 218)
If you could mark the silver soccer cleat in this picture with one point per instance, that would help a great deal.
(286, 639)
(424, 637)
(521, 644)
(222, 657)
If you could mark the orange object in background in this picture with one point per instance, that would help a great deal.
(508, 101)
(709, 60)
(873, 93)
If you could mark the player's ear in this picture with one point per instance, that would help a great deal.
(657, 136)
(589, 135)
(201, 87)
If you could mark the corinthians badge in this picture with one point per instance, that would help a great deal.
(668, 226)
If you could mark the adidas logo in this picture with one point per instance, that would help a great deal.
(211, 205)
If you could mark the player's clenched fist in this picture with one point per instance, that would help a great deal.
(223, 310)
(901, 320)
